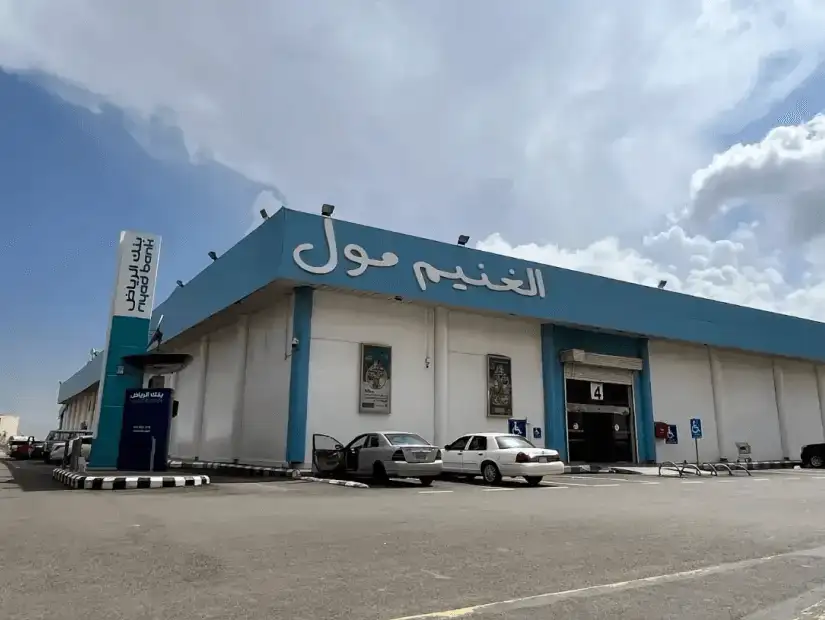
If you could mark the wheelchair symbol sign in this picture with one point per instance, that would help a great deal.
(695, 428)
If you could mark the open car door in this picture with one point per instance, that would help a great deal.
(328, 455)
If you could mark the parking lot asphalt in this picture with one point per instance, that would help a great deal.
(591, 546)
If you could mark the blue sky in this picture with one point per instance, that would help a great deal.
(71, 180)
(605, 141)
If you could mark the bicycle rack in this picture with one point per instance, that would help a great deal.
(692, 468)
(711, 468)
(669, 466)
(738, 466)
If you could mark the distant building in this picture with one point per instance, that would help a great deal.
(9, 425)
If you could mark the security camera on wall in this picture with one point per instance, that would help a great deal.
(295, 343)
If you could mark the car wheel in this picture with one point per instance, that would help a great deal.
(533, 481)
(817, 461)
(379, 473)
(490, 473)
(426, 482)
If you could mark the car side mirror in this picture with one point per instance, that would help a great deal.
(447, 447)
(338, 446)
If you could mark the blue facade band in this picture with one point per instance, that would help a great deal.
(552, 374)
(299, 375)
(644, 414)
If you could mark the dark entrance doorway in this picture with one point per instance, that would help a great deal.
(599, 422)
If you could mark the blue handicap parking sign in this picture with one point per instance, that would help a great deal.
(517, 427)
(672, 434)
(695, 428)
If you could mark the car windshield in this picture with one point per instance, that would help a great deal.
(406, 439)
(513, 441)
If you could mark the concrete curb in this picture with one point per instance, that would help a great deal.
(116, 483)
(340, 483)
(235, 468)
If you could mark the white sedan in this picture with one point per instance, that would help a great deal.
(493, 455)
(59, 451)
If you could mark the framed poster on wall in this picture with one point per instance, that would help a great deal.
(376, 379)
(499, 386)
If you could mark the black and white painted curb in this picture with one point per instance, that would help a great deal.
(610, 469)
(340, 483)
(235, 468)
(766, 464)
(115, 483)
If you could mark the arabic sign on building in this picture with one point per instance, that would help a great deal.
(499, 386)
(376, 379)
(136, 274)
(425, 274)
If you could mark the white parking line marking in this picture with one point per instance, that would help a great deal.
(760, 479)
(545, 486)
(792, 478)
(496, 489)
(818, 477)
(433, 492)
(604, 485)
(693, 482)
(543, 600)
(650, 483)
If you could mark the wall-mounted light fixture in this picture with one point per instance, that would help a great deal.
(213, 256)
(326, 210)
(179, 283)
(662, 284)
(264, 214)
(463, 239)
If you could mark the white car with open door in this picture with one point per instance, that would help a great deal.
(380, 455)
(493, 455)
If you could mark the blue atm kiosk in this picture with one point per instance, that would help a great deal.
(144, 435)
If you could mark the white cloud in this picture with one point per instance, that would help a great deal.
(560, 125)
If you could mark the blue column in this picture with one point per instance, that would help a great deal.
(127, 336)
(644, 413)
(553, 382)
(299, 376)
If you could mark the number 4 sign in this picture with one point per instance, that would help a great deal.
(596, 391)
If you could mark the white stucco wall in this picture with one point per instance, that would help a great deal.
(750, 413)
(219, 398)
(266, 387)
(681, 389)
(472, 337)
(187, 387)
(801, 404)
(80, 409)
(340, 323)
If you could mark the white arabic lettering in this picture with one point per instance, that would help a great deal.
(352, 252)
(425, 271)
(422, 270)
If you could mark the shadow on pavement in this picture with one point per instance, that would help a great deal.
(217, 476)
(28, 476)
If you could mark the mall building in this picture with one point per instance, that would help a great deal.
(316, 325)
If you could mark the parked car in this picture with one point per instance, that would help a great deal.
(19, 448)
(57, 437)
(813, 455)
(37, 450)
(493, 455)
(62, 451)
(380, 455)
